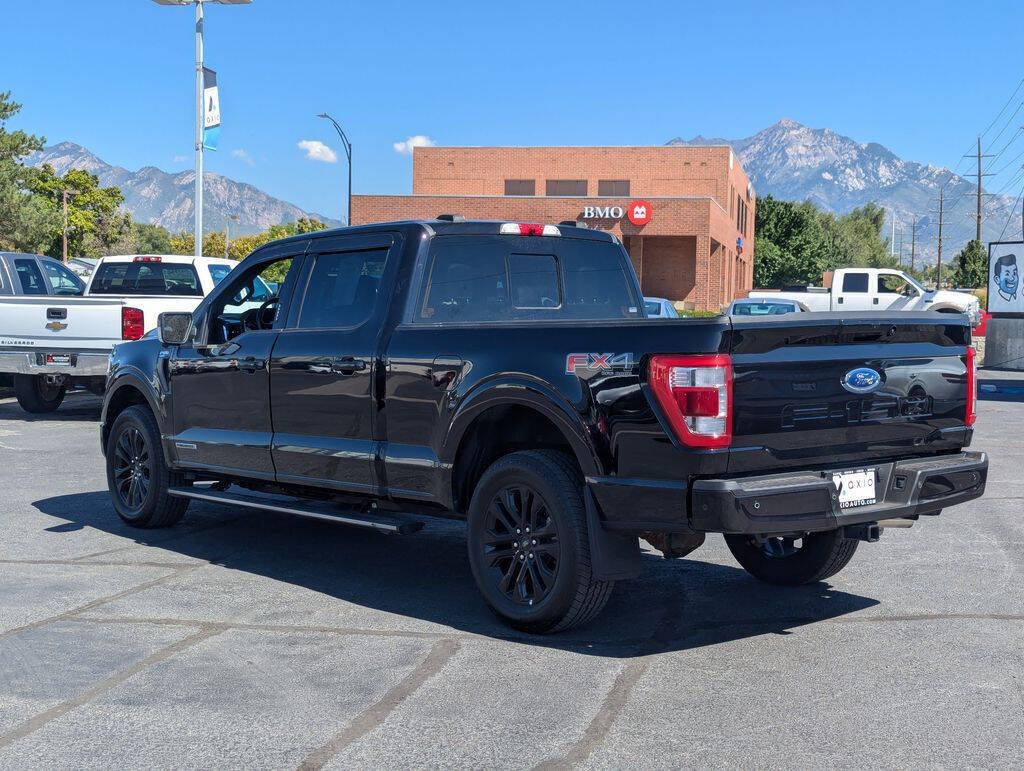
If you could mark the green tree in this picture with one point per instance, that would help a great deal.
(151, 239)
(971, 265)
(25, 219)
(95, 221)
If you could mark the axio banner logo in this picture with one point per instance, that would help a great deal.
(597, 362)
(1005, 259)
(639, 213)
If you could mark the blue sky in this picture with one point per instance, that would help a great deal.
(116, 76)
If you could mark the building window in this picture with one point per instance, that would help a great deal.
(567, 187)
(618, 188)
(520, 187)
(741, 215)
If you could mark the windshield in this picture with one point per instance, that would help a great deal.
(762, 309)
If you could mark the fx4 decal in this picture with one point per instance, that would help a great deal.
(598, 362)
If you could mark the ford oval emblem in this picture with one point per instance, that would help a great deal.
(862, 380)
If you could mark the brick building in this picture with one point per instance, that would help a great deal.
(692, 241)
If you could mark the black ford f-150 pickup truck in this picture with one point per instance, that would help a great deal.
(504, 374)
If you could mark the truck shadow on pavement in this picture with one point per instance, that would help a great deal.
(76, 407)
(420, 583)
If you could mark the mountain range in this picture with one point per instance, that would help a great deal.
(787, 160)
(155, 196)
(794, 162)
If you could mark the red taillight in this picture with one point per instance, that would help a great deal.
(695, 394)
(148, 258)
(133, 324)
(972, 387)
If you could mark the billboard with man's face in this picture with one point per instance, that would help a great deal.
(1005, 260)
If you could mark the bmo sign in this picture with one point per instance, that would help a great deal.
(638, 212)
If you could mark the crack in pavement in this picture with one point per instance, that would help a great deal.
(440, 654)
(205, 632)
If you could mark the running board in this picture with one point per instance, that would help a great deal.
(311, 509)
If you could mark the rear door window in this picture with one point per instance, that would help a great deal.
(62, 280)
(501, 278)
(218, 272)
(342, 289)
(146, 278)
(29, 276)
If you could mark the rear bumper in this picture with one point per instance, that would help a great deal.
(807, 501)
(796, 501)
(93, 364)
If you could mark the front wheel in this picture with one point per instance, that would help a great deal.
(529, 547)
(37, 396)
(793, 561)
(137, 474)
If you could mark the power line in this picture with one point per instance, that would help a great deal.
(1010, 217)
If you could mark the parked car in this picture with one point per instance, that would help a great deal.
(761, 307)
(414, 369)
(82, 266)
(877, 289)
(659, 308)
(49, 345)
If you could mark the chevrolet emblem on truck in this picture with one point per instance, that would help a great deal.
(56, 326)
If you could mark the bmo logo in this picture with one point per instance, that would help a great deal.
(602, 212)
(639, 213)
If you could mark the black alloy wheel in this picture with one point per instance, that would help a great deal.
(529, 545)
(521, 545)
(133, 468)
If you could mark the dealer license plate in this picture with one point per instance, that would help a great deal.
(58, 358)
(855, 488)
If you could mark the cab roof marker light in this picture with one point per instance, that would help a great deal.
(147, 258)
(528, 229)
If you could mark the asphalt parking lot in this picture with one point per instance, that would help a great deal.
(256, 640)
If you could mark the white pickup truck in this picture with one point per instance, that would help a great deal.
(50, 343)
(878, 289)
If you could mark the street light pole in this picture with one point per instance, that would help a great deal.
(198, 250)
(348, 154)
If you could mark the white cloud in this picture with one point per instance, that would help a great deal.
(419, 140)
(318, 151)
(179, 158)
(243, 156)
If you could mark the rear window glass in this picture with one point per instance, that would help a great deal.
(142, 278)
(30, 277)
(499, 278)
(855, 282)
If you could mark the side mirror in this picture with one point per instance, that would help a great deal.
(175, 328)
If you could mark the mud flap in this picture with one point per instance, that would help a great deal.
(613, 556)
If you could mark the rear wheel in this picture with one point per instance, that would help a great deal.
(529, 547)
(35, 395)
(137, 474)
(793, 561)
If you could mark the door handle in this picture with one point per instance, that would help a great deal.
(251, 364)
(840, 300)
(874, 300)
(346, 365)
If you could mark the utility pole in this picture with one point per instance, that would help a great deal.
(913, 241)
(901, 248)
(980, 175)
(938, 266)
(892, 241)
(64, 237)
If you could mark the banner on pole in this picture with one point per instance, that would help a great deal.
(211, 110)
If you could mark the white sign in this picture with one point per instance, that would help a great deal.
(211, 99)
(603, 212)
(1005, 259)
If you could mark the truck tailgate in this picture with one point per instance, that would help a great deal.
(60, 322)
(792, 407)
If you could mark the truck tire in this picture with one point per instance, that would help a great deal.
(528, 543)
(137, 474)
(780, 561)
(35, 396)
